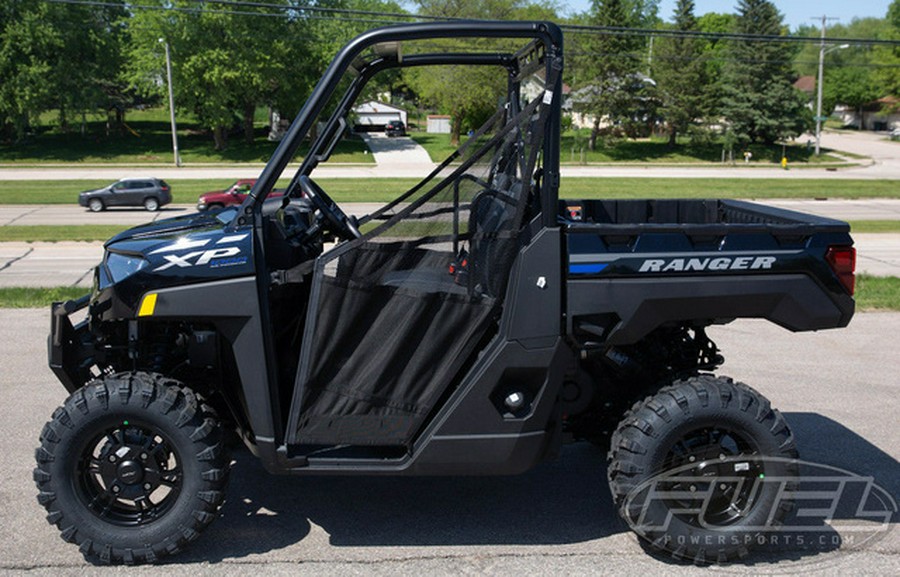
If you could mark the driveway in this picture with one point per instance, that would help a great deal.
(396, 150)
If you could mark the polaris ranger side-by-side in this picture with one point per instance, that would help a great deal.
(470, 327)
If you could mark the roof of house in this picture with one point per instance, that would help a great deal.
(806, 83)
(375, 107)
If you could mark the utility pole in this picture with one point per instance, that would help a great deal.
(171, 103)
(819, 119)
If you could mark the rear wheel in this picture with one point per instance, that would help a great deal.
(688, 469)
(96, 205)
(131, 468)
(151, 204)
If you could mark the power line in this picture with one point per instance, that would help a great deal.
(381, 18)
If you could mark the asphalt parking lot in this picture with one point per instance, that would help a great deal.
(838, 390)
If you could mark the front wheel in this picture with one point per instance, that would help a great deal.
(96, 205)
(131, 468)
(698, 470)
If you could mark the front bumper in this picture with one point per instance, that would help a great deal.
(70, 351)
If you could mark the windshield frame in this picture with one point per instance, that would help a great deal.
(545, 33)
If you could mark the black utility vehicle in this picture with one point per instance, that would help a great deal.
(470, 327)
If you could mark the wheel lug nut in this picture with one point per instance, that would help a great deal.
(722, 456)
(143, 456)
(693, 488)
(147, 486)
(692, 458)
(116, 489)
(723, 486)
(112, 458)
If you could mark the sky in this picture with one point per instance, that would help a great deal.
(796, 12)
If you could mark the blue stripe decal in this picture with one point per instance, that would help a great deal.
(586, 268)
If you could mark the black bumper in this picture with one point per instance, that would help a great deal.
(69, 348)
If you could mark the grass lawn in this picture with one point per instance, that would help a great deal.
(386, 189)
(875, 225)
(574, 150)
(872, 293)
(148, 139)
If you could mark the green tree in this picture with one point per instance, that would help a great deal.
(225, 63)
(857, 75)
(609, 85)
(56, 56)
(852, 86)
(467, 93)
(715, 53)
(680, 72)
(759, 102)
(887, 58)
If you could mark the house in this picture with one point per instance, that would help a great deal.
(880, 115)
(577, 103)
(374, 115)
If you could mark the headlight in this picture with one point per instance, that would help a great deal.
(122, 266)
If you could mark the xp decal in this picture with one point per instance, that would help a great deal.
(215, 257)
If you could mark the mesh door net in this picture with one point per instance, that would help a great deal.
(396, 313)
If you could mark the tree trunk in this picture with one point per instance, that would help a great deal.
(220, 137)
(595, 131)
(249, 113)
(673, 134)
(455, 129)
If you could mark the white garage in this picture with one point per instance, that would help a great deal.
(374, 115)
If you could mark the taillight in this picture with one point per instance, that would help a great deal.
(842, 260)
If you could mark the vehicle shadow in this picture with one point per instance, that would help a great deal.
(564, 501)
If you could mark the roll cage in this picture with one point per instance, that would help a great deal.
(386, 53)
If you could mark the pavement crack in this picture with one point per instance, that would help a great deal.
(82, 277)
(14, 260)
(23, 215)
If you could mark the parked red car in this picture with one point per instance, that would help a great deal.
(233, 195)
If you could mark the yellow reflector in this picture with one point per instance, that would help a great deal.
(148, 305)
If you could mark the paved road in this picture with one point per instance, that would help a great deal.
(70, 263)
(71, 214)
(838, 389)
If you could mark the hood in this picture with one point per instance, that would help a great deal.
(164, 229)
(93, 191)
(175, 251)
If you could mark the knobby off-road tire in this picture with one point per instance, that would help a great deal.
(131, 468)
(698, 428)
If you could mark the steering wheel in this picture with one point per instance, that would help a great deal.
(341, 224)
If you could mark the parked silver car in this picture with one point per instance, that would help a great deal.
(151, 193)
